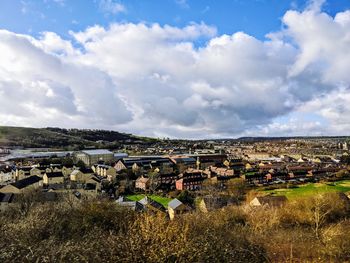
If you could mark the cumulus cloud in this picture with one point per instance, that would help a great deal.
(40, 89)
(155, 80)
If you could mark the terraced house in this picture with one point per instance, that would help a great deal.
(190, 180)
(144, 164)
(30, 182)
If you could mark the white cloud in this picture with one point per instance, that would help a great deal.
(111, 6)
(41, 89)
(182, 3)
(153, 80)
(24, 7)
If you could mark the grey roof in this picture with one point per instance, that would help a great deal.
(77, 194)
(54, 174)
(25, 168)
(184, 160)
(26, 181)
(103, 166)
(148, 201)
(175, 203)
(134, 205)
(120, 155)
(75, 172)
(144, 200)
(6, 197)
(97, 152)
(144, 160)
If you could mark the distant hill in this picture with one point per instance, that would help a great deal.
(253, 139)
(65, 138)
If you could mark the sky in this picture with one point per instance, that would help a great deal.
(177, 68)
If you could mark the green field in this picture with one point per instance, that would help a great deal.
(311, 189)
(163, 200)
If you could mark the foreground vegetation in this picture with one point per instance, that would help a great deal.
(313, 229)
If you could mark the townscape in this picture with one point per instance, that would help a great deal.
(195, 167)
(259, 187)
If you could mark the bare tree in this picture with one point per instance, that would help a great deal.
(154, 180)
(27, 200)
(236, 189)
(322, 207)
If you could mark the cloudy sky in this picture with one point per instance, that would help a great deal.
(177, 68)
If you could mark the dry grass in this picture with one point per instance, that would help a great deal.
(99, 231)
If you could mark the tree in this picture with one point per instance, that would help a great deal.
(67, 161)
(210, 187)
(27, 200)
(154, 180)
(81, 164)
(345, 159)
(324, 208)
(236, 188)
(186, 197)
(342, 174)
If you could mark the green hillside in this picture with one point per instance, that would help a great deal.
(64, 138)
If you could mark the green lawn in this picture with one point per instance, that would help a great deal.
(311, 189)
(163, 200)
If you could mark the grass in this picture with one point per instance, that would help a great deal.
(163, 200)
(311, 189)
(250, 174)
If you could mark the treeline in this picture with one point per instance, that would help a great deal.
(94, 134)
(316, 229)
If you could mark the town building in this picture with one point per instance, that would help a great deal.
(91, 157)
(105, 170)
(183, 162)
(176, 207)
(30, 182)
(191, 179)
(53, 178)
(144, 164)
(142, 183)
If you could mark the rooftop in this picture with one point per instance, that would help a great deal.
(175, 203)
(26, 182)
(6, 197)
(54, 174)
(97, 152)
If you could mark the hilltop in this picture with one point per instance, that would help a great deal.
(64, 138)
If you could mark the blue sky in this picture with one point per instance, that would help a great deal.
(254, 17)
(177, 68)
